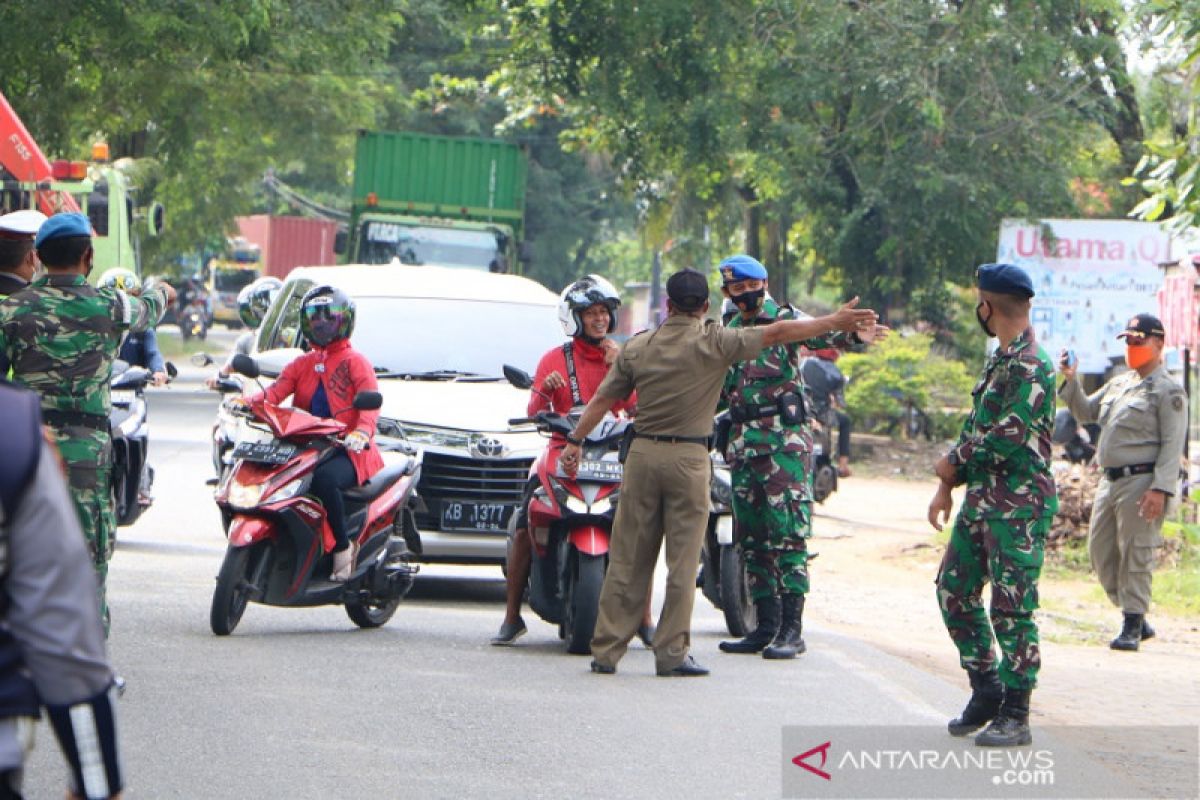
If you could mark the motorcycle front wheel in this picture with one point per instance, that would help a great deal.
(583, 603)
(741, 616)
(233, 591)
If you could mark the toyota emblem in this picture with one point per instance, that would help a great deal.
(488, 447)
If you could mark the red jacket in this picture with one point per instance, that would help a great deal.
(344, 371)
(590, 369)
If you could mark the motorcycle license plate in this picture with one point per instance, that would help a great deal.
(265, 452)
(465, 515)
(600, 470)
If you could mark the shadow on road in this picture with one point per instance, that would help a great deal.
(459, 589)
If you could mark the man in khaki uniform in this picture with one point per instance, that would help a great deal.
(677, 371)
(1143, 418)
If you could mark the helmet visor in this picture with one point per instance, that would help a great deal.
(325, 320)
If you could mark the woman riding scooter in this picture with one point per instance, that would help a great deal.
(323, 382)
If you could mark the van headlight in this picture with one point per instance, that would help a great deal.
(423, 434)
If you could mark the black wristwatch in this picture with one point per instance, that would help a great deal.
(572, 440)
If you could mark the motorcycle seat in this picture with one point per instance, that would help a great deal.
(378, 483)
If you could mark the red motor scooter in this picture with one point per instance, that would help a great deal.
(570, 521)
(279, 537)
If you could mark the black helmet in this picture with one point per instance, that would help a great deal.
(582, 295)
(326, 315)
(254, 300)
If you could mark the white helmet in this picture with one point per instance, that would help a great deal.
(582, 295)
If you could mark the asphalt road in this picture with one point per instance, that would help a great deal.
(302, 704)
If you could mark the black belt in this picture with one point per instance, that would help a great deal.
(673, 439)
(1116, 473)
(61, 419)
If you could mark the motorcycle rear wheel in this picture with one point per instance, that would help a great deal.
(371, 613)
(741, 616)
(583, 603)
(232, 592)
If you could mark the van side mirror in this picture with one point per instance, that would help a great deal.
(245, 365)
(340, 239)
(368, 401)
(517, 377)
(155, 218)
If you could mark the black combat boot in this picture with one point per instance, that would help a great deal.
(987, 692)
(1010, 728)
(788, 643)
(761, 636)
(1147, 631)
(1130, 635)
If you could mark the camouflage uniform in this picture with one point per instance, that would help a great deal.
(60, 335)
(1003, 455)
(771, 463)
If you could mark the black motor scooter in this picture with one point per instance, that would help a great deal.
(132, 475)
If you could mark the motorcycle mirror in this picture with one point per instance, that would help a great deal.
(201, 359)
(368, 401)
(172, 372)
(517, 377)
(228, 386)
(245, 365)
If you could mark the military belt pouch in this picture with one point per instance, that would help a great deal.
(62, 419)
(1116, 473)
(789, 407)
(626, 441)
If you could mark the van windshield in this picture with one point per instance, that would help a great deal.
(421, 336)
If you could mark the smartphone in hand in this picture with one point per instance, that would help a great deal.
(1068, 359)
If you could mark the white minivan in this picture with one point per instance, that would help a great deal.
(438, 338)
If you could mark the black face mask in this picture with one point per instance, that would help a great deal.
(983, 323)
(749, 301)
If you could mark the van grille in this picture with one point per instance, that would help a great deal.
(445, 477)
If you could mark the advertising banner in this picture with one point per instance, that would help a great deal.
(1090, 277)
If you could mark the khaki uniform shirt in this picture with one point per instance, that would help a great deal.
(1142, 420)
(678, 371)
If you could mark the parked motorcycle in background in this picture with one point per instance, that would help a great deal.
(1078, 441)
(193, 320)
(128, 422)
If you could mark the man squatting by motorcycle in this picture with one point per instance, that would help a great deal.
(323, 382)
(770, 453)
(566, 377)
(1003, 456)
(60, 336)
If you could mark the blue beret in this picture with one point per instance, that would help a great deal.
(1004, 279)
(741, 268)
(62, 225)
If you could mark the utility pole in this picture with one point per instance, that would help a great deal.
(655, 288)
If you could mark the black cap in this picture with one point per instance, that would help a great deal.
(1004, 279)
(1144, 325)
(688, 289)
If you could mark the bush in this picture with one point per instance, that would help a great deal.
(901, 373)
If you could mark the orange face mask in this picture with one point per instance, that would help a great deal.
(1138, 355)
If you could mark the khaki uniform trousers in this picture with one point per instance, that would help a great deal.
(1123, 546)
(665, 495)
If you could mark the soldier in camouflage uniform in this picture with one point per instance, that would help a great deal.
(1003, 457)
(60, 336)
(770, 456)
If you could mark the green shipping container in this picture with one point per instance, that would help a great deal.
(441, 176)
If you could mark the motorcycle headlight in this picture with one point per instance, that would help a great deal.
(720, 488)
(575, 504)
(287, 491)
(603, 505)
(245, 495)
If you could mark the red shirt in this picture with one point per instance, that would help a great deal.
(344, 372)
(590, 370)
